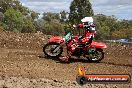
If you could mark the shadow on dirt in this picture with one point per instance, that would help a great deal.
(111, 63)
(72, 60)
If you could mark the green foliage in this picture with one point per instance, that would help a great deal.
(108, 27)
(50, 16)
(1, 29)
(53, 28)
(52, 24)
(14, 19)
(1, 16)
(34, 15)
(15, 4)
(80, 9)
(39, 25)
(17, 18)
(28, 25)
(2, 25)
(123, 33)
(63, 16)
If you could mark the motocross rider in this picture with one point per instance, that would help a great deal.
(89, 33)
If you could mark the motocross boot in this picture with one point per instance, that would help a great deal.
(65, 56)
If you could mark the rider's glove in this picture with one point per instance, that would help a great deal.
(74, 26)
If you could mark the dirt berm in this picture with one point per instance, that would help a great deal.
(23, 65)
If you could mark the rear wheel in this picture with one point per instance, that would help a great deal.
(49, 49)
(97, 56)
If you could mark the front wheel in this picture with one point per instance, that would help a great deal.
(97, 56)
(52, 49)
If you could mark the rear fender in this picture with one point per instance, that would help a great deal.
(98, 45)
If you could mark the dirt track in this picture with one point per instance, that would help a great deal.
(21, 57)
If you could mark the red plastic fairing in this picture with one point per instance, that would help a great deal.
(56, 39)
(98, 44)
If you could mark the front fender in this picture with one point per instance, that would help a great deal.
(56, 39)
(98, 44)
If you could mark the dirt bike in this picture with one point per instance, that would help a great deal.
(93, 52)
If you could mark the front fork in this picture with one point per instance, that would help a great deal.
(65, 49)
(57, 47)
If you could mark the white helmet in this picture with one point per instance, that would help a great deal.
(87, 19)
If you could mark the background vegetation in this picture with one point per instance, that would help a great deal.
(17, 18)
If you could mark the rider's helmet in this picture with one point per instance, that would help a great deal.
(87, 19)
(88, 22)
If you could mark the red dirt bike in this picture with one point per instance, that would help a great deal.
(93, 52)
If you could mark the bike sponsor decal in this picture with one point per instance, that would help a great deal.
(84, 78)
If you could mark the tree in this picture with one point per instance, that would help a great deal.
(14, 19)
(34, 15)
(105, 25)
(122, 33)
(1, 16)
(39, 25)
(63, 16)
(50, 16)
(1, 26)
(28, 25)
(53, 27)
(80, 9)
(15, 4)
